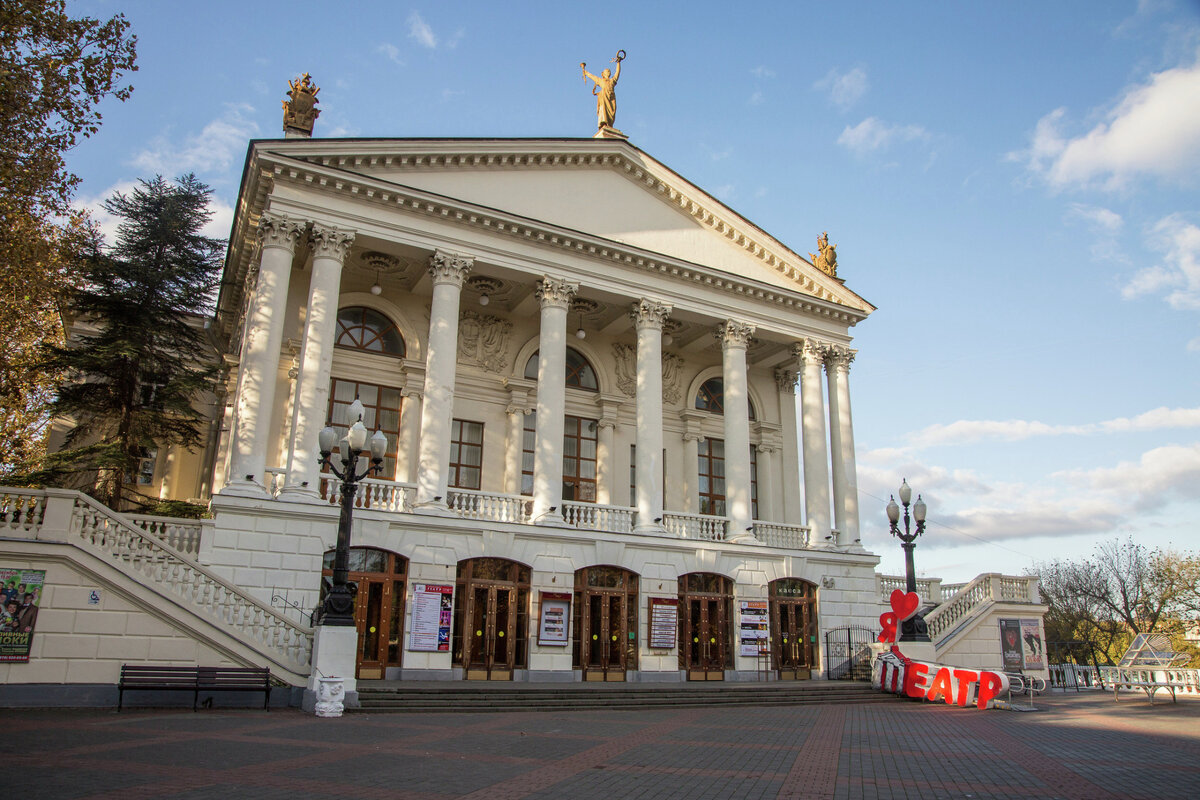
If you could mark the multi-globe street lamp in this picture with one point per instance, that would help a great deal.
(338, 608)
(914, 628)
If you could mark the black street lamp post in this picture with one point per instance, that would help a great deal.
(338, 608)
(914, 628)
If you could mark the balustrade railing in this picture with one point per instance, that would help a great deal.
(182, 534)
(275, 480)
(778, 534)
(371, 493)
(696, 526)
(140, 553)
(490, 506)
(596, 517)
(966, 601)
(21, 511)
(949, 590)
(926, 587)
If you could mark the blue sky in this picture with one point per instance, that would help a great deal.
(1014, 186)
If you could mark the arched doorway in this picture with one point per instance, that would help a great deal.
(793, 608)
(491, 618)
(705, 610)
(381, 577)
(604, 636)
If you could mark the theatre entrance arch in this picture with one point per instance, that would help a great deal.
(605, 623)
(793, 609)
(705, 610)
(491, 618)
(381, 577)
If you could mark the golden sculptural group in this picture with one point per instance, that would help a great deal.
(825, 259)
(605, 91)
(300, 112)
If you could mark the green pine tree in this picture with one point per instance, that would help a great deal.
(133, 381)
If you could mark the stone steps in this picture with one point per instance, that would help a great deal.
(479, 697)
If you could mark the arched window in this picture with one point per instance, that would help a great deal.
(580, 374)
(711, 397)
(362, 328)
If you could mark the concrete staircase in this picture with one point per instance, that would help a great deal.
(474, 697)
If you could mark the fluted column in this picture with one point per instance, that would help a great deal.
(441, 359)
(648, 317)
(555, 296)
(841, 443)
(330, 247)
(816, 455)
(259, 367)
(735, 338)
(512, 448)
(785, 382)
(768, 494)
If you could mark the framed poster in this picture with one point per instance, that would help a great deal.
(664, 622)
(20, 596)
(1010, 645)
(1032, 649)
(752, 627)
(432, 612)
(555, 622)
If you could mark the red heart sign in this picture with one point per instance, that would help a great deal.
(905, 605)
(888, 622)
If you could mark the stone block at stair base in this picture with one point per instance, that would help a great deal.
(333, 655)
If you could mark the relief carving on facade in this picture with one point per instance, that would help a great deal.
(483, 341)
(330, 242)
(449, 267)
(838, 357)
(732, 333)
(554, 292)
(626, 368)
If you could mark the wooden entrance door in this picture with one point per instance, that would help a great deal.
(489, 648)
(378, 608)
(793, 607)
(604, 636)
(706, 636)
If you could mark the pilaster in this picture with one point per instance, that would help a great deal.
(791, 491)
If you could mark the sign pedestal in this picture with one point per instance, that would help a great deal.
(333, 656)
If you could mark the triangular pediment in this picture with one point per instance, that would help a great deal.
(607, 189)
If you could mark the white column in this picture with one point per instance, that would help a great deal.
(408, 459)
(816, 455)
(310, 405)
(768, 492)
(841, 443)
(555, 296)
(441, 361)
(259, 367)
(648, 317)
(513, 450)
(604, 460)
(792, 508)
(735, 338)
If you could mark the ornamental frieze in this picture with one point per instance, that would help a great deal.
(483, 341)
(625, 365)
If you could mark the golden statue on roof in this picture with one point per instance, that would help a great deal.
(300, 112)
(825, 259)
(605, 91)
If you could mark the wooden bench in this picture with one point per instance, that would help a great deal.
(151, 677)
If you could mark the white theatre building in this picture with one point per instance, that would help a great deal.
(606, 396)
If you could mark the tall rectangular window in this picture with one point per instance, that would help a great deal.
(381, 406)
(579, 458)
(466, 454)
(711, 474)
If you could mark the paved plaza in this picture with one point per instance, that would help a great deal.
(1074, 746)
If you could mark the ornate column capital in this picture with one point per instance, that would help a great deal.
(329, 241)
(785, 380)
(450, 268)
(649, 314)
(839, 357)
(810, 351)
(556, 293)
(732, 333)
(276, 230)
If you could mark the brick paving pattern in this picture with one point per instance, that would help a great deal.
(1074, 747)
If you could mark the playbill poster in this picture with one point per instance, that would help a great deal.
(432, 611)
(556, 617)
(753, 627)
(21, 592)
(1031, 644)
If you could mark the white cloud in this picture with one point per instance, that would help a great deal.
(1179, 274)
(756, 98)
(845, 88)
(762, 71)
(872, 135)
(218, 227)
(1158, 477)
(419, 30)
(1104, 226)
(963, 432)
(390, 52)
(1154, 129)
(216, 148)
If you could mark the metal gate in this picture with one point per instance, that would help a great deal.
(848, 653)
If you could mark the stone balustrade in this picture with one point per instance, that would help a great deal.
(696, 526)
(182, 534)
(596, 517)
(778, 534)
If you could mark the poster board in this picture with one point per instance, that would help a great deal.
(753, 627)
(1010, 645)
(21, 595)
(1033, 649)
(432, 612)
(664, 622)
(554, 624)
